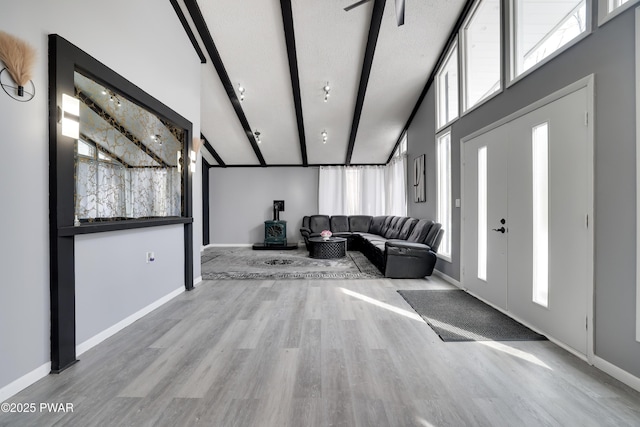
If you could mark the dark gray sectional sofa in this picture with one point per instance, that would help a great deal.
(401, 247)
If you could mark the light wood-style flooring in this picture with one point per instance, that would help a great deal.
(319, 353)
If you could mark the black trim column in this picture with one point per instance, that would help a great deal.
(64, 60)
(61, 185)
(206, 238)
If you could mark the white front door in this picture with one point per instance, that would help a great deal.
(485, 237)
(533, 172)
(549, 198)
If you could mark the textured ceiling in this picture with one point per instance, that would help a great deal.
(249, 48)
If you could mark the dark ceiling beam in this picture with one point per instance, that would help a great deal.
(212, 151)
(205, 35)
(372, 40)
(117, 126)
(289, 35)
(187, 29)
(432, 76)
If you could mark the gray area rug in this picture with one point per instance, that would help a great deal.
(457, 316)
(245, 263)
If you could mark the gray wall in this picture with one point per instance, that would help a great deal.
(241, 199)
(106, 295)
(609, 53)
(113, 36)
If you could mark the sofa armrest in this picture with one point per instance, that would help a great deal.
(408, 260)
(404, 247)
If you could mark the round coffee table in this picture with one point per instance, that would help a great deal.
(335, 247)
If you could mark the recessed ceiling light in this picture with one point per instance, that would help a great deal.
(241, 91)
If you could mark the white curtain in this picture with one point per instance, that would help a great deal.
(154, 192)
(110, 190)
(110, 183)
(363, 190)
(332, 190)
(370, 195)
(395, 178)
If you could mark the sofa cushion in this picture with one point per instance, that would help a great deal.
(407, 228)
(376, 224)
(359, 223)
(420, 231)
(339, 223)
(386, 225)
(317, 223)
(393, 232)
(433, 234)
(380, 246)
(372, 237)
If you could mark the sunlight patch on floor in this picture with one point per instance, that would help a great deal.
(400, 311)
(497, 346)
(424, 423)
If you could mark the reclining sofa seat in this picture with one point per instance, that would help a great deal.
(400, 247)
(415, 256)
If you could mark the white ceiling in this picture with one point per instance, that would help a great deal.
(330, 47)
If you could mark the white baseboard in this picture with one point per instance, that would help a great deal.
(97, 339)
(236, 245)
(228, 245)
(24, 381)
(447, 278)
(197, 280)
(617, 373)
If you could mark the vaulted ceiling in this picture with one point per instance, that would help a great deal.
(284, 52)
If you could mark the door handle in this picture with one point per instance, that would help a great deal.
(500, 230)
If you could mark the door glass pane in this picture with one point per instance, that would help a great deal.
(540, 177)
(444, 191)
(482, 213)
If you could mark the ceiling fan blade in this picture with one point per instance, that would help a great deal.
(400, 12)
(356, 4)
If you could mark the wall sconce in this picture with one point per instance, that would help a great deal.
(70, 116)
(326, 89)
(241, 91)
(324, 136)
(193, 160)
(257, 135)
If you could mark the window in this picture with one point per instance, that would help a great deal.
(607, 9)
(482, 213)
(542, 28)
(614, 4)
(540, 175)
(402, 147)
(443, 183)
(447, 88)
(481, 53)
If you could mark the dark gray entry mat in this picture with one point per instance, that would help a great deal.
(457, 316)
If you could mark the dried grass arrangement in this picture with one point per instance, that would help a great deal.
(19, 58)
(197, 144)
